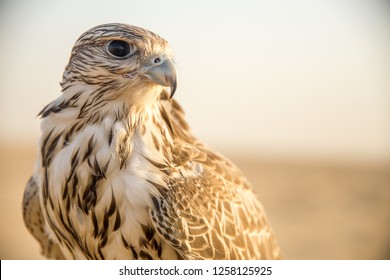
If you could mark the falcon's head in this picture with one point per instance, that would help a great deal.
(122, 62)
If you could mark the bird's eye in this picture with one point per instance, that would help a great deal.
(118, 48)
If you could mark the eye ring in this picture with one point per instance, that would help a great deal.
(119, 48)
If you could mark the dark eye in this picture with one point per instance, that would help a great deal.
(118, 48)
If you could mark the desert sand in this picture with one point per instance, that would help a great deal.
(318, 210)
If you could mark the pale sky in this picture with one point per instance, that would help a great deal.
(307, 79)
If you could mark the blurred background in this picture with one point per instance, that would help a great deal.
(296, 93)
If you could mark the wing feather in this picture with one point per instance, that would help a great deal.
(35, 222)
(209, 206)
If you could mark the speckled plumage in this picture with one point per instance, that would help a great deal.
(119, 174)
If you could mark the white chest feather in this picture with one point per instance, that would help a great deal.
(96, 190)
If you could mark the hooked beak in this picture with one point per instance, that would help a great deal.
(163, 74)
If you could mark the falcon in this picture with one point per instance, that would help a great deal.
(119, 174)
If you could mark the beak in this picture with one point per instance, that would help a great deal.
(163, 74)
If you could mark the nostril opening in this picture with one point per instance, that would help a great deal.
(157, 60)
